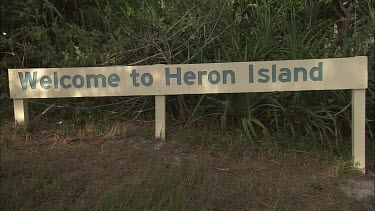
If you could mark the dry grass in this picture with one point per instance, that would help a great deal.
(119, 166)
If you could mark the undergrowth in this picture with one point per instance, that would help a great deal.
(104, 33)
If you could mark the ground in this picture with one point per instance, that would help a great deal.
(123, 167)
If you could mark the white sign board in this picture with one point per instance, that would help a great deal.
(269, 76)
(161, 80)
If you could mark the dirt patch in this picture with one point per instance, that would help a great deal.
(53, 171)
(361, 190)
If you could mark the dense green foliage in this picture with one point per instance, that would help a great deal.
(67, 33)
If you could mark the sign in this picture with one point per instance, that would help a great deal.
(269, 76)
(161, 80)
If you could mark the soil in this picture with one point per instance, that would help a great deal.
(94, 165)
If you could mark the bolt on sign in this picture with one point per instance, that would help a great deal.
(161, 80)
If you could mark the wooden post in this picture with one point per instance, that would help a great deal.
(21, 111)
(358, 127)
(160, 117)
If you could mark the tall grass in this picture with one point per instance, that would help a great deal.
(97, 33)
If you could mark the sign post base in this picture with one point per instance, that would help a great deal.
(21, 111)
(358, 127)
(160, 117)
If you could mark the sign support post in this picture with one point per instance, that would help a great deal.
(160, 117)
(21, 111)
(358, 127)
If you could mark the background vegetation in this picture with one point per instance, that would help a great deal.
(70, 33)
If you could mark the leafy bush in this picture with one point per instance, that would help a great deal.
(42, 33)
